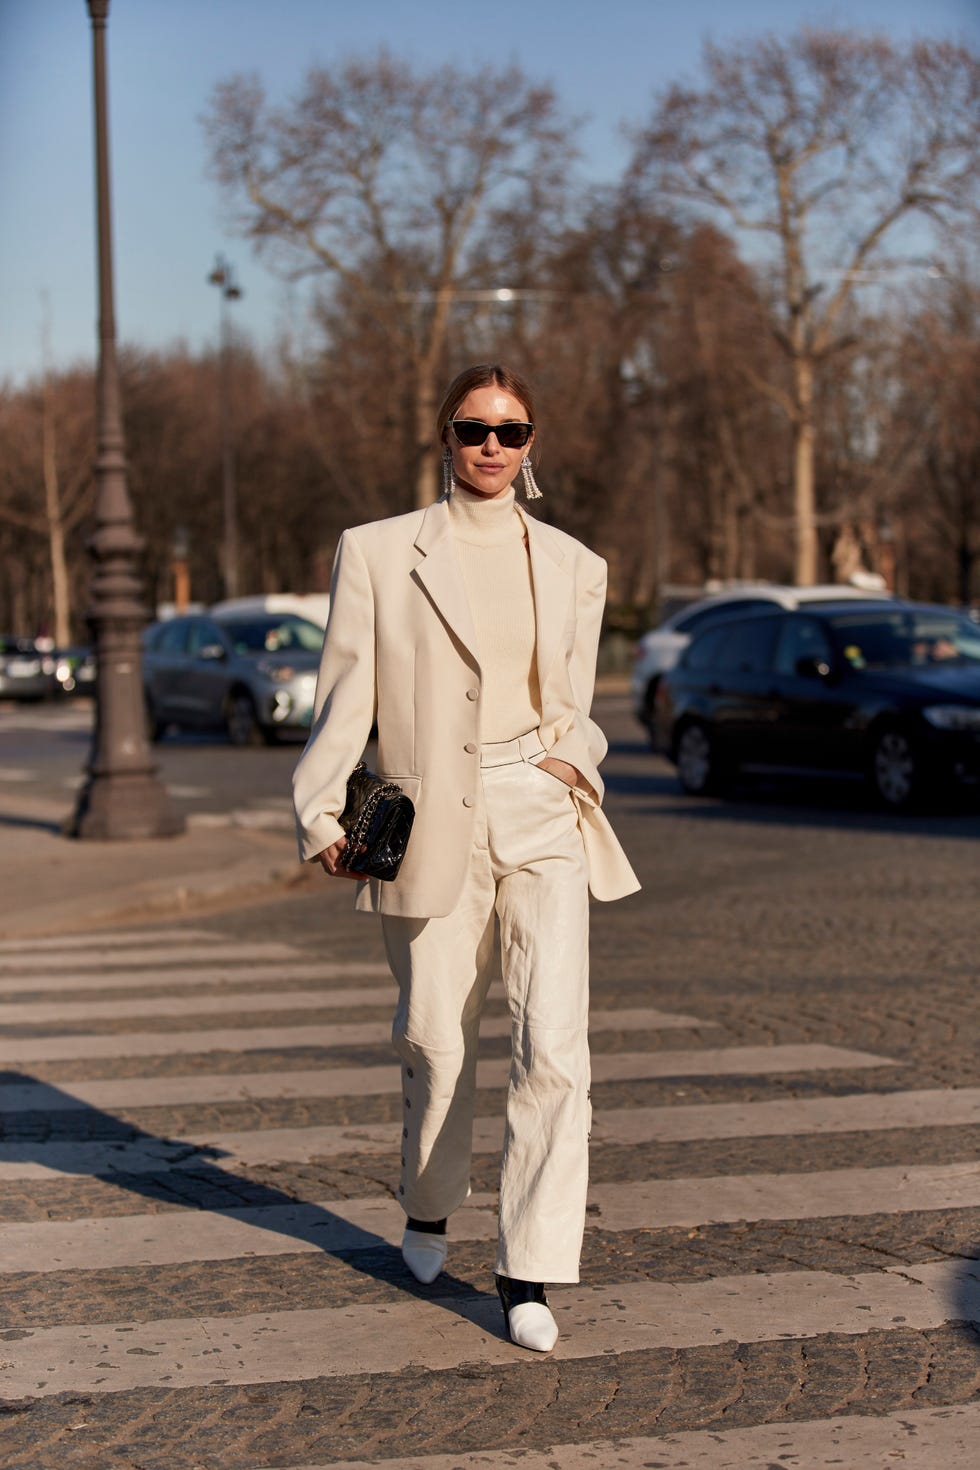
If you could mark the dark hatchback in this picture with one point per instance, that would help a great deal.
(890, 693)
(253, 675)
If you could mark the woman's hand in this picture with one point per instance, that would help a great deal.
(329, 860)
(569, 774)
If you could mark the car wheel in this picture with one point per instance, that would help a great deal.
(241, 720)
(154, 725)
(895, 770)
(649, 715)
(696, 760)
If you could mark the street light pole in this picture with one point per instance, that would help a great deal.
(121, 796)
(223, 277)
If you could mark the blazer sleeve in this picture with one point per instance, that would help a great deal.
(345, 704)
(583, 744)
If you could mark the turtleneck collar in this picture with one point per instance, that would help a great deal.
(484, 522)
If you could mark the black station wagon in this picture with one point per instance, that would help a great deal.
(889, 693)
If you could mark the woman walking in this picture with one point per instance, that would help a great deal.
(469, 632)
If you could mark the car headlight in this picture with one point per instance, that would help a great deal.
(278, 673)
(953, 716)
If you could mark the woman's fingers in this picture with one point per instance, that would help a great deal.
(329, 860)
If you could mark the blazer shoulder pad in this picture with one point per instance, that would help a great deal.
(576, 550)
(368, 533)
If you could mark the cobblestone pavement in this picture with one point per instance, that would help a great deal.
(198, 1238)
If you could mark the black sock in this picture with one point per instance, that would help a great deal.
(427, 1227)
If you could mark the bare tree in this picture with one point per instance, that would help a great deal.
(819, 151)
(46, 478)
(383, 180)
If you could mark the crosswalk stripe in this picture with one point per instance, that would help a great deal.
(18, 1050)
(914, 1439)
(110, 1093)
(97, 959)
(337, 1342)
(106, 940)
(852, 1114)
(220, 971)
(51, 1013)
(344, 1225)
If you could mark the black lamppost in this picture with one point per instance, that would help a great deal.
(121, 796)
(223, 277)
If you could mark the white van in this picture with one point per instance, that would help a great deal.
(311, 605)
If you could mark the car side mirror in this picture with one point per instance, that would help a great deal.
(813, 667)
(212, 651)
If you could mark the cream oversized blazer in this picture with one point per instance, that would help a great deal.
(401, 648)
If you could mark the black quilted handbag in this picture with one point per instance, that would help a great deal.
(377, 821)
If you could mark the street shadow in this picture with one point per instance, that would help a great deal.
(36, 824)
(965, 1297)
(773, 799)
(815, 808)
(30, 1107)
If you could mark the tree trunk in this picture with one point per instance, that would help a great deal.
(56, 531)
(804, 526)
(427, 474)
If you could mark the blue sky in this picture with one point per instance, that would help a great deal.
(605, 58)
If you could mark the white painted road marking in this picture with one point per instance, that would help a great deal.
(913, 1439)
(180, 1235)
(268, 1347)
(862, 1112)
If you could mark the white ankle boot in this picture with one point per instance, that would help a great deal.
(531, 1325)
(424, 1254)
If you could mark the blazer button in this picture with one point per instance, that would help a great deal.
(467, 801)
(470, 748)
(472, 694)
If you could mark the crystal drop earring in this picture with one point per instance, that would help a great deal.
(448, 477)
(531, 491)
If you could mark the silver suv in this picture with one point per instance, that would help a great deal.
(659, 650)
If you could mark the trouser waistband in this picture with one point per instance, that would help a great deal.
(509, 752)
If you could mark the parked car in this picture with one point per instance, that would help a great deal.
(251, 675)
(659, 650)
(26, 671)
(74, 670)
(888, 692)
(314, 606)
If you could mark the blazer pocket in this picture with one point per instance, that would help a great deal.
(411, 785)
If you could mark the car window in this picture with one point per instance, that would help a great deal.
(172, 638)
(746, 647)
(907, 638)
(273, 634)
(800, 638)
(704, 615)
(203, 634)
(702, 652)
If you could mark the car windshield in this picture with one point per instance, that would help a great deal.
(906, 638)
(273, 634)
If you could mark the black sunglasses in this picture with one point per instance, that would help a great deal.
(471, 432)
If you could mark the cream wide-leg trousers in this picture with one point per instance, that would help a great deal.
(528, 867)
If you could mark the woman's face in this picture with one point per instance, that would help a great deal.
(488, 469)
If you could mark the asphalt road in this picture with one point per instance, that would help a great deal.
(781, 1256)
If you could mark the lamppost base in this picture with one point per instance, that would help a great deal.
(123, 807)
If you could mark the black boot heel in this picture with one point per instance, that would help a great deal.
(527, 1314)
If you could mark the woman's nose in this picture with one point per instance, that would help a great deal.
(490, 443)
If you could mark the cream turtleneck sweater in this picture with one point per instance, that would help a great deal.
(496, 572)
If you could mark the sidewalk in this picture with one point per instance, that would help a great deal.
(53, 884)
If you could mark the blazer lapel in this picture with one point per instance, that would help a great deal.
(438, 571)
(552, 587)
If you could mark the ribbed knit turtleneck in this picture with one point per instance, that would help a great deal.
(496, 572)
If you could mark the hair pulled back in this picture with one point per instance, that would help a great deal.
(482, 375)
